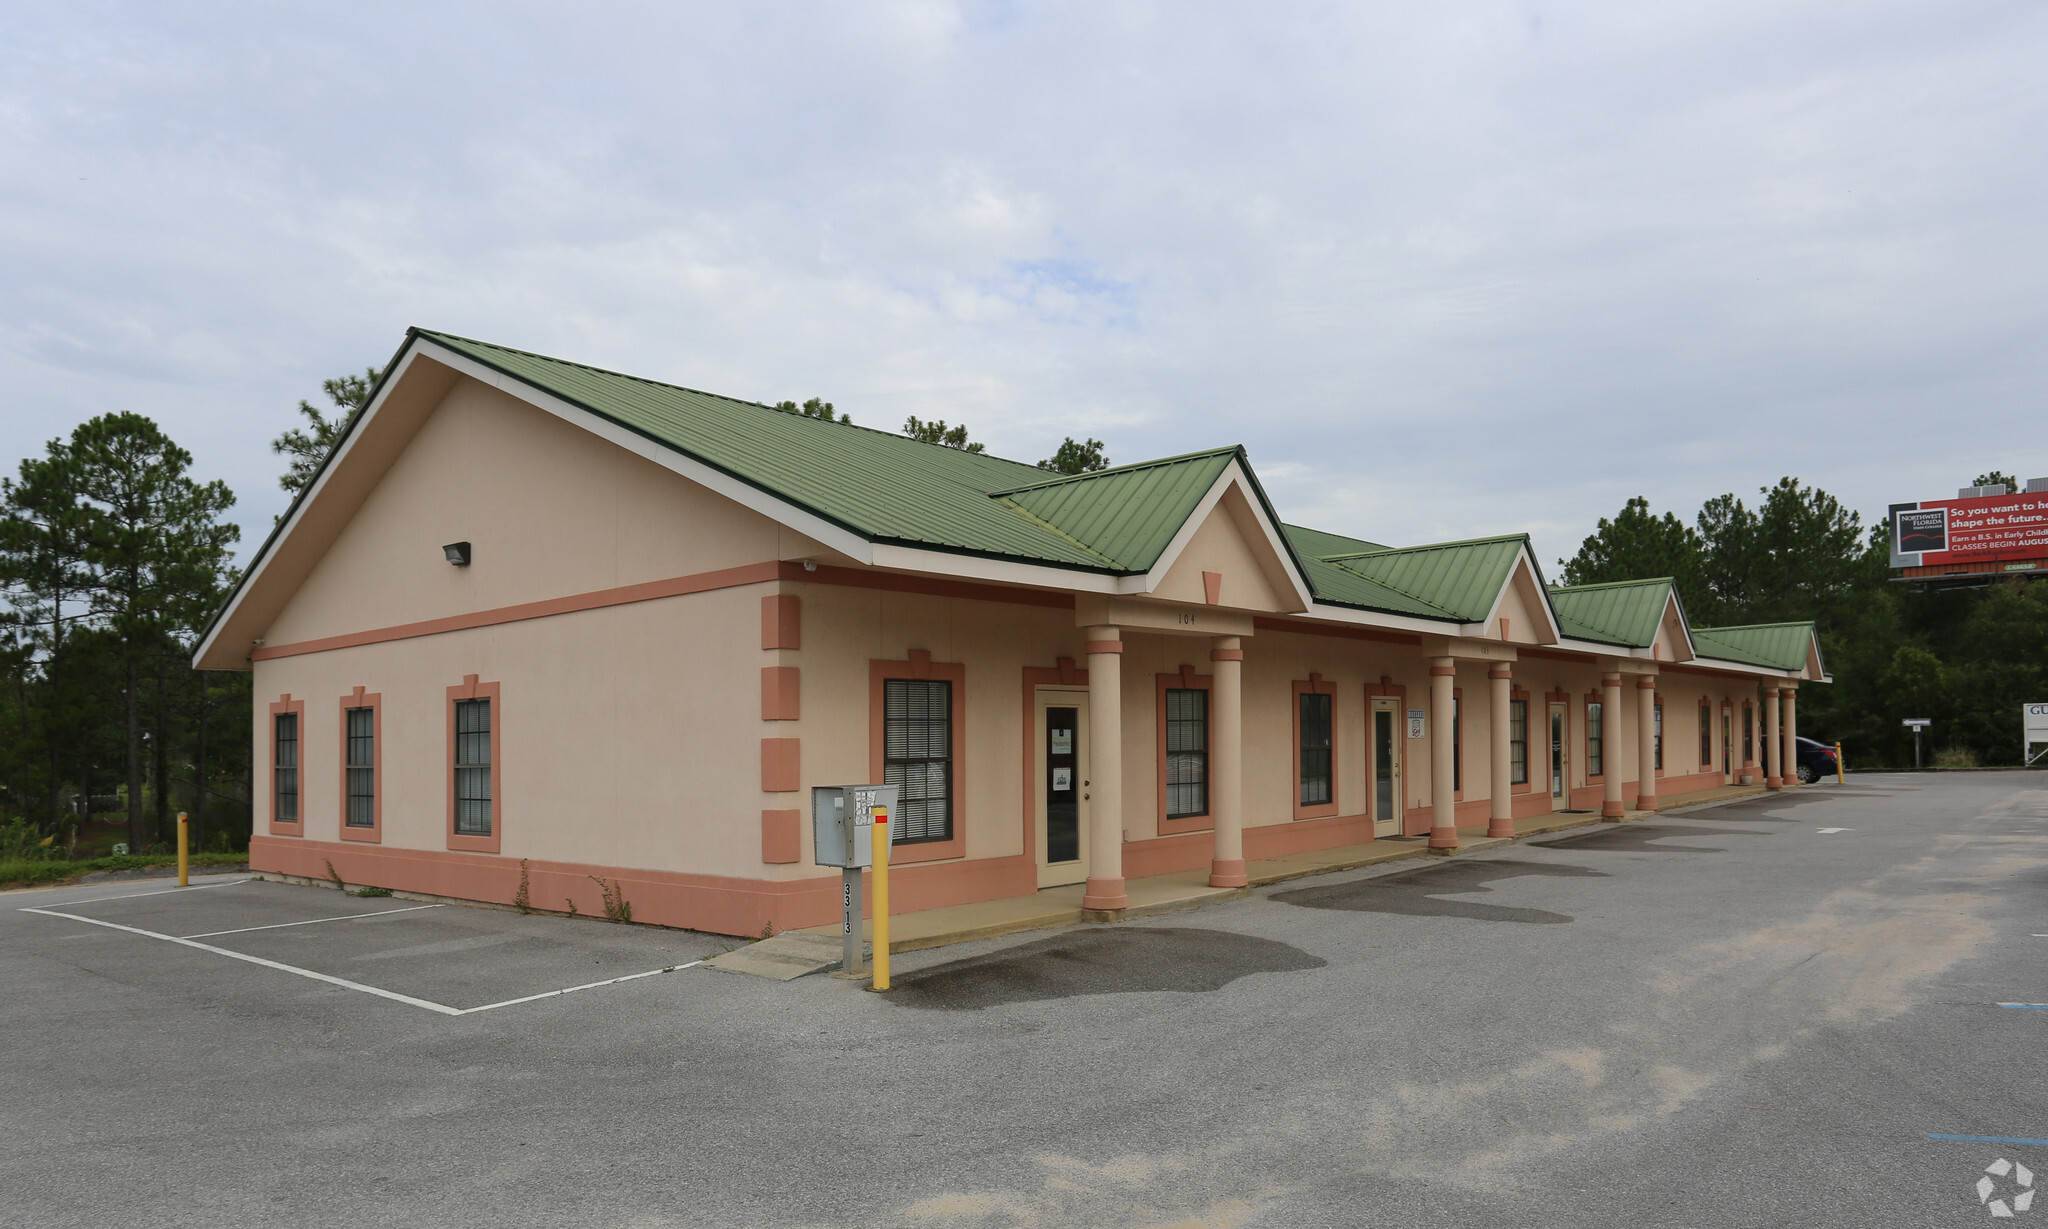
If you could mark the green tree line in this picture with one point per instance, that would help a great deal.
(1966, 658)
(112, 557)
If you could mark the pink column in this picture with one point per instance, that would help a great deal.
(1443, 827)
(1501, 814)
(1773, 744)
(1646, 743)
(1226, 762)
(1105, 785)
(1610, 744)
(1791, 760)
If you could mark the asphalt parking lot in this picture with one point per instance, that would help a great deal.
(1814, 1010)
(447, 959)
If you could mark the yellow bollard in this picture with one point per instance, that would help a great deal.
(1839, 778)
(881, 868)
(184, 880)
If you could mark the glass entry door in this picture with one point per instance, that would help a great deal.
(1727, 752)
(1385, 771)
(1560, 785)
(1062, 781)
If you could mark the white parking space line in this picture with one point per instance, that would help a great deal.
(344, 983)
(344, 917)
(673, 968)
(94, 900)
(1826, 831)
(268, 964)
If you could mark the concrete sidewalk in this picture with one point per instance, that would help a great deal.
(1055, 907)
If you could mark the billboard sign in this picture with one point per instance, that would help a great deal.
(1987, 529)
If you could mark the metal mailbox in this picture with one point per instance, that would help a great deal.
(843, 818)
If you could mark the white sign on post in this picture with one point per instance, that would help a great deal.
(2034, 721)
(1415, 723)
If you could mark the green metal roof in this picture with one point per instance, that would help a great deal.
(887, 487)
(1622, 612)
(1316, 543)
(1129, 513)
(1446, 580)
(1781, 646)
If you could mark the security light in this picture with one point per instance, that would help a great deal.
(458, 553)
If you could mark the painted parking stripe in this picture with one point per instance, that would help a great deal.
(1992, 1139)
(673, 968)
(342, 917)
(94, 900)
(2027, 1006)
(344, 983)
(1826, 831)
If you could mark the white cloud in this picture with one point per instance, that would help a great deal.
(1447, 271)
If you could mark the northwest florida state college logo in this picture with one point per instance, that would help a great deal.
(2006, 1188)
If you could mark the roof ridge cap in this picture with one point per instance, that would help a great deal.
(1613, 584)
(1114, 471)
(1751, 627)
(1504, 537)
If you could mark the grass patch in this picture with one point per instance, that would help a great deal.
(371, 892)
(15, 874)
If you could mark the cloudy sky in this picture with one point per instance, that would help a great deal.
(1446, 270)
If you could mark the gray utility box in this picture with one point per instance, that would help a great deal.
(843, 822)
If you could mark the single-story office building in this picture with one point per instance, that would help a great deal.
(535, 623)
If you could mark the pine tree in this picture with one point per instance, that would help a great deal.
(308, 448)
(1073, 458)
(155, 547)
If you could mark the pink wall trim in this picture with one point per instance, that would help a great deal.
(781, 693)
(470, 689)
(781, 765)
(1193, 850)
(1212, 588)
(782, 621)
(296, 827)
(1187, 679)
(702, 582)
(1316, 683)
(896, 582)
(782, 837)
(921, 666)
(717, 904)
(1264, 623)
(1064, 674)
(374, 701)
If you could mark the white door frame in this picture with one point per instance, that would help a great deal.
(1052, 875)
(1391, 705)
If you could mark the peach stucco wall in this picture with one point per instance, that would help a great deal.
(549, 509)
(624, 741)
(1221, 546)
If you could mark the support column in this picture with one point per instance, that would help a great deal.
(1791, 755)
(1773, 745)
(1443, 824)
(1646, 742)
(1610, 744)
(1104, 786)
(1226, 761)
(1501, 816)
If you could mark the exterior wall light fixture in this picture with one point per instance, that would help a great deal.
(457, 553)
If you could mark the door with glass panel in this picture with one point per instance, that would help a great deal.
(1727, 750)
(1560, 760)
(1061, 812)
(1385, 770)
